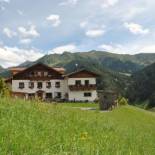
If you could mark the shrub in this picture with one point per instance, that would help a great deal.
(4, 89)
(122, 101)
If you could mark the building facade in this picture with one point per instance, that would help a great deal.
(46, 83)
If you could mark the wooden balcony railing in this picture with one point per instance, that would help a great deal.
(82, 87)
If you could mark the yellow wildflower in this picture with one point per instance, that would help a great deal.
(84, 136)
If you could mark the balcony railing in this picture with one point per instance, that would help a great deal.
(82, 87)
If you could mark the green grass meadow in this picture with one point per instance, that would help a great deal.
(29, 128)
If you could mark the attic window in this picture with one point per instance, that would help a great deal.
(45, 74)
(49, 75)
(31, 74)
(39, 73)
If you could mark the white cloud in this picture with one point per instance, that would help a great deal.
(68, 2)
(2, 8)
(25, 41)
(54, 20)
(20, 12)
(61, 49)
(9, 33)
(31, 32)
(131, 12)
(136, 28)
(148, 49)
(95, 33)
(12, 56)
(132, 48)
(83, 24)
(108, 3)
(116, 48)
(6, 1)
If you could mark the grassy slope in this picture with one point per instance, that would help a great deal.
(29, 128)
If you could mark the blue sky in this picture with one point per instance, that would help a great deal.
(29, 29)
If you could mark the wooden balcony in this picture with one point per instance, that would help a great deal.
(82, 87)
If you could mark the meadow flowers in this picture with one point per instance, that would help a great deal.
(84, 136)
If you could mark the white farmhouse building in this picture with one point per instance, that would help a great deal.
(41, 81)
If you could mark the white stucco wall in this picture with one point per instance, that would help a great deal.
(72, 95)
(79, 96)
(53, 89)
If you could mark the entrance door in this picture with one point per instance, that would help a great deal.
(40, 95)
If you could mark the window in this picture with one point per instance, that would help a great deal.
(45, 74)
(86, 82)
(31, 85)
(39, 74)
(58, 95)
(31, 96)
(49, 75)
(35, 74)
(48, 84)
(21, 85)
(87, 94)
(31, 74)
(40, 85)
(48, 95)
(78, 82)
(57, 85)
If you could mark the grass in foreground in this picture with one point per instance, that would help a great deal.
(40, 129)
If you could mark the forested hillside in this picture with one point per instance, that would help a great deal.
(1, 69)
(142, 88)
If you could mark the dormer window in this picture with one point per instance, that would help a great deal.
(39, 73)
(45, 74)
(21, 85)
(49, 75)
(31, 74)
(35, 74)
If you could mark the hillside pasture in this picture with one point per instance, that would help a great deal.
(31, 128)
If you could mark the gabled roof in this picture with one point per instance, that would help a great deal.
(15, 70)
(80, 71)
(33, 66)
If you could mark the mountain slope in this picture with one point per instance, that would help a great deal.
(116, 62)
(143, 86)
(1, 69)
